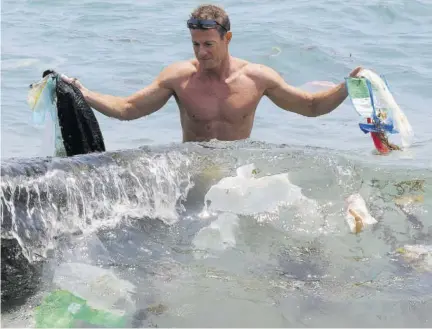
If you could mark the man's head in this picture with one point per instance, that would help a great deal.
(209, 26)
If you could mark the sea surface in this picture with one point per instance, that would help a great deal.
(280, 255)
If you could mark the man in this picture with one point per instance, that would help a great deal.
(217, 94)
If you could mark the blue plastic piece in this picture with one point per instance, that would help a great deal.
(381, 127)
(370, 127)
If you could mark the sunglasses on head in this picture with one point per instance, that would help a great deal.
(205, 24)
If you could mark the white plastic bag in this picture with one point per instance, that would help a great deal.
(219, 235)
(357, 215)
(386, 100)
(247, 195)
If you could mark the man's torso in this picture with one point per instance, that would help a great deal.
(214, 109)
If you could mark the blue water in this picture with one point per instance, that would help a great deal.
(118, 47)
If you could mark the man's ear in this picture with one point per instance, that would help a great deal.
(229, 36)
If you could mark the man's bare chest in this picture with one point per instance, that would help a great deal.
(221, 102)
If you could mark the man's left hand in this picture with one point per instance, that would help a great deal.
(356, 71)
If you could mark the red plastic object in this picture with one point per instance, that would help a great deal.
(383, 149)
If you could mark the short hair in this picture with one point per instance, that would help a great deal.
(213, 12)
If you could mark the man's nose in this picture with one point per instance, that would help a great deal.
(202, 52)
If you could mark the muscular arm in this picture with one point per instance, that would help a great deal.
(144, 102)
(296, 100)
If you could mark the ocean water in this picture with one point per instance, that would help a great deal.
(139, 210)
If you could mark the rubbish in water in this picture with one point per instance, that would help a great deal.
(419, 256)
(357, 215)
(246, 194)
(75, 127)
(101, 288)
(62, 309)
(219, 235)
(373, 101)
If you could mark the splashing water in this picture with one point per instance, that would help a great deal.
(291, 262)
(83, 197)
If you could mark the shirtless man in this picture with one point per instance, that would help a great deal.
(217, 94)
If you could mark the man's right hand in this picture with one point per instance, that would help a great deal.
(73, 81)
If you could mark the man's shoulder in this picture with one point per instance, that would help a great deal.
(172, 74)
(263, 75)
(181, 68)
(258, 71)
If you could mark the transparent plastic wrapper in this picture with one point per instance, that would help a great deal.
(41, 99)
(75, 129)
(62, 309)
(357, 215)
(86, 296)
(381, 115)
(245, 194)
(219, 235)
(101, 288)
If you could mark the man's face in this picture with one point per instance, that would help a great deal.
(210, 49)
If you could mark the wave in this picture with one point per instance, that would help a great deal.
(47, 200)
